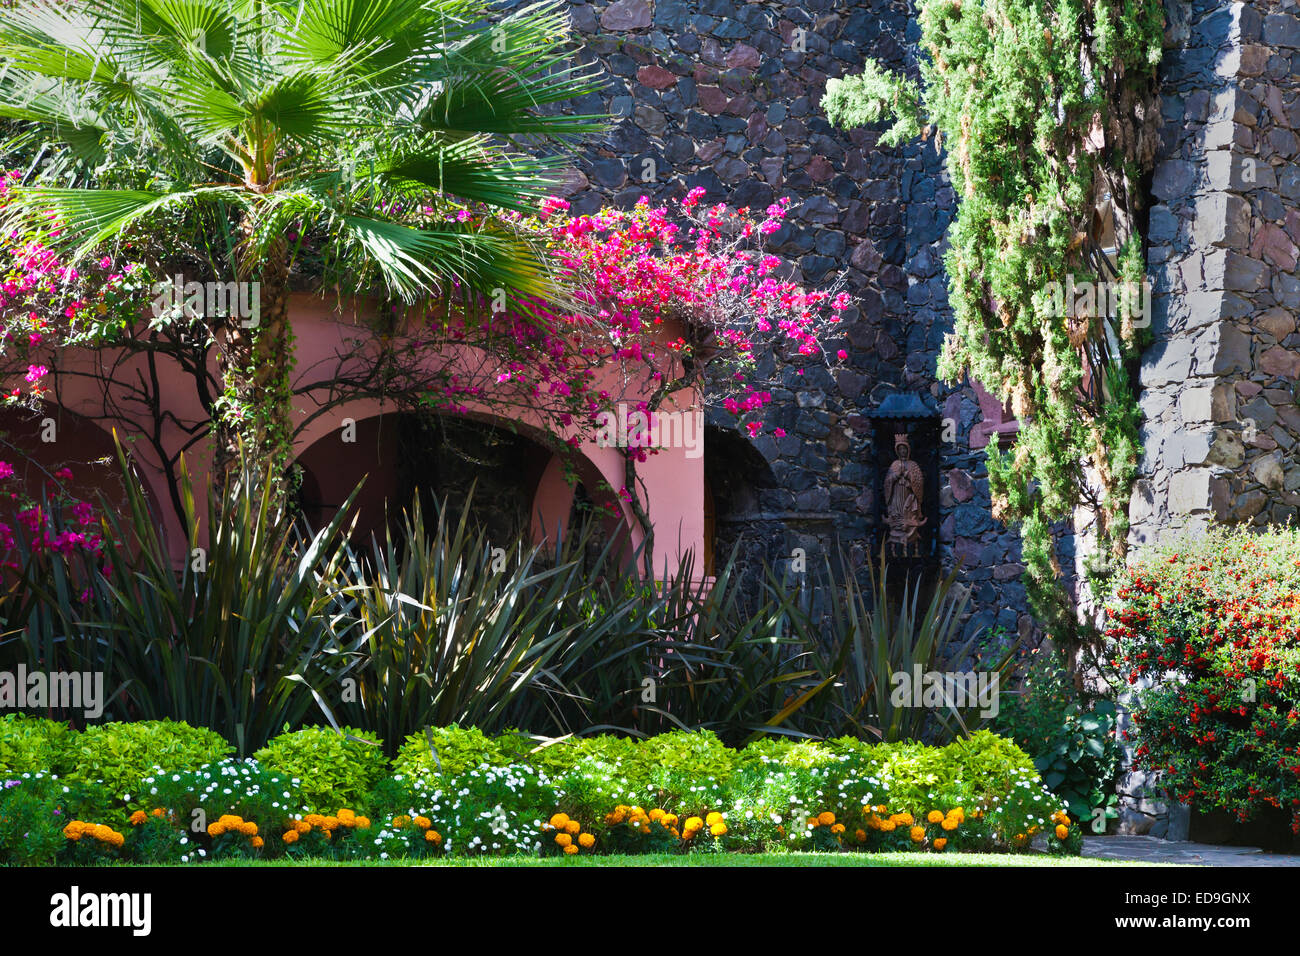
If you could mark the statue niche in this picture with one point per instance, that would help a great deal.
(904, 500)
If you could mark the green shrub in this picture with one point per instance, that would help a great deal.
(1073, 746)
(122, 754)
(331, 770)
(33, 744)
(458, 750)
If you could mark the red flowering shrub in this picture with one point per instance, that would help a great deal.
(1216, 625)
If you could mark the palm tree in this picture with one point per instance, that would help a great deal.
(363, 121)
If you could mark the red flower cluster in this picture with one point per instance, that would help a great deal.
(1210, 639)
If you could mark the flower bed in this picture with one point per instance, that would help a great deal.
(678, 792)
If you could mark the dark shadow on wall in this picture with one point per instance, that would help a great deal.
(438, 458)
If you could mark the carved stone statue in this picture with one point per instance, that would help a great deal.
(904, 495)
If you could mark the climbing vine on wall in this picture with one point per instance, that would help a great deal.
(1049, 115)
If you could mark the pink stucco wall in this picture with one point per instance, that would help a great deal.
(674, 479)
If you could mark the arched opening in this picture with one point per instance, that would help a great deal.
(743, 503)
(59, 453)
(501, 474)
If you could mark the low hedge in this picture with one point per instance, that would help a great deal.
(315, 793)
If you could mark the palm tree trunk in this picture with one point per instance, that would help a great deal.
(256, 363)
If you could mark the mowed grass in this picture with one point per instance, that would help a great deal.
(718, 860)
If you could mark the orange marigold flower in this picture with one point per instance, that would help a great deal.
(256, 843)
(433, 836)
(563, 839)
(917, 834)
(934, 816)
(570, 849)
(940, 843)
(138, 818)
(825, 818)
(587, 841)
(1062, 831)
(290, 837)
(423, 822)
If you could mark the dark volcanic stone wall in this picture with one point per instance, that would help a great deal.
(725, 95)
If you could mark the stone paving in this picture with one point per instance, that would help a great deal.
(1145, 849)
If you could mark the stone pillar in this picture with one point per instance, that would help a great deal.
(1219, 394)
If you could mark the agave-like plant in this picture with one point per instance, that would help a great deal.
(239, 638)
(343, 118)
(459, 628)
(872, 636)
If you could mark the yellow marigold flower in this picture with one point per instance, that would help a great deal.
(570, 849)
(837, 829)
(950, 823)
(940, 843)
(563, 839)
(888, 826)
(825, 818)
(400, 821)
(669, 820)
(675, 832)
(560, 821)
(363, 823)
(959, 813)
(346, 816)
(656, 814)
(860, 836)
(290, 837)
(712, 818)
(934, 816)
(693, 825)
(433, 836)
(587, 840)
(216, 829)
(422, 822)
(718, 829)
(256, 843)
(1062, 831)
(573, 826)
(138, 818)
(918, 834)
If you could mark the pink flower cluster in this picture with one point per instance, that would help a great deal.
(641, 273)
(44, 534)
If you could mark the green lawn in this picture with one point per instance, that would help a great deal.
(725, 859)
